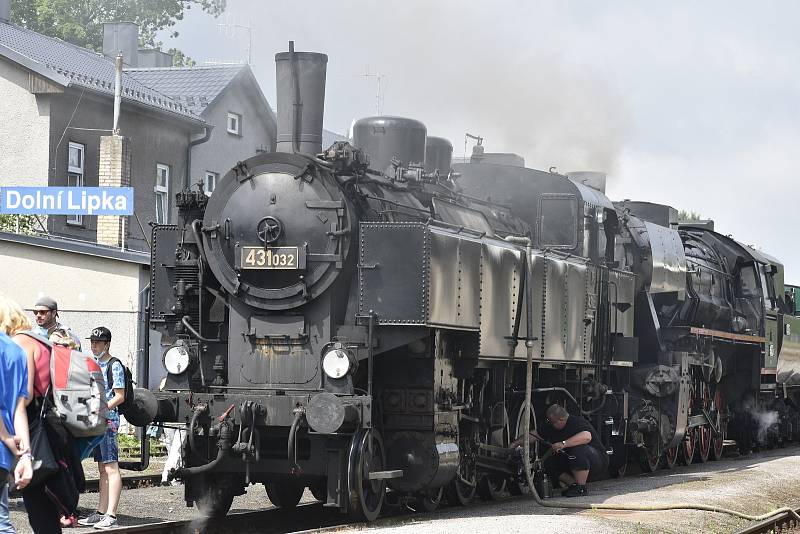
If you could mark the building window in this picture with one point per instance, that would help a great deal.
(75, 166)
(234, 123)
(162, 193)
(210, 182)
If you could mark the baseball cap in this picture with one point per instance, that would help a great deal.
(47, 302)
(101, 333)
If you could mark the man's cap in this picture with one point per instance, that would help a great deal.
(46, 302)
(101, 333)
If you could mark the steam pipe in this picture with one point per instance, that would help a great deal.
(117, 92)
(195, 333)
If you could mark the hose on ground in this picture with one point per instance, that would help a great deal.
(602, 506)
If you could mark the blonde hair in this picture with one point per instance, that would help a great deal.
(59, 336)
(12, 317)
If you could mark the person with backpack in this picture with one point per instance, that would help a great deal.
(107, 453)
(13, 421)
(43, 515)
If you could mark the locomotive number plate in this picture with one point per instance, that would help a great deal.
(286, 258)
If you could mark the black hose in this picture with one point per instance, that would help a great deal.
(195, 333)
(184, 472)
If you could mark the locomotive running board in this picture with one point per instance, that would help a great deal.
(385, 475)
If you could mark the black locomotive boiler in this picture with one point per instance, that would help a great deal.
(349, 320)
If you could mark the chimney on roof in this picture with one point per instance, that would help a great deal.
(5, 10)
(153, 58)
(121, 37)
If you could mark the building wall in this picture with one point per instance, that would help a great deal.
(154, 139)
(24, 129)
(220, 153)
(90, 290)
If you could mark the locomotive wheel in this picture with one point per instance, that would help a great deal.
(718, 441)
(284, 494)
(517, 486)
(429, 501)
(366, 455)
(688, 446)
(671, 457)
(461, 494)
(649, 461)
(703, 449)
(491, 488)
(461, 490)
(216, 499)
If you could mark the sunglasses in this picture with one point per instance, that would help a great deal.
(41, 312)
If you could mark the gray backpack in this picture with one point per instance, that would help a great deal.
(78, 390)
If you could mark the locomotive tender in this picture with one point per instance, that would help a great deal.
(354, 320)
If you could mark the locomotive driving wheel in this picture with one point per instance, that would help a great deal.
(649, 459)
(461, 490)
(689, 444)
(365, 495)
(718, 440)
(518, 485)
(671, 457)
(704, 435)
(492, 487)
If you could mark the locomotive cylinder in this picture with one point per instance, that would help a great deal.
(300, 79)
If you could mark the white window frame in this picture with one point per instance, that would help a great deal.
(75, 176)
(214, 178)
(162, 193)
(237, 129)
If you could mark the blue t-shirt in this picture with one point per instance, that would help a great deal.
(118, 378)
(13, 385)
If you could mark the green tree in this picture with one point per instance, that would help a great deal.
(24, 224)
(81, 21)
(684, 215)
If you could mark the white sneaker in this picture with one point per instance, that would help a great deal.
(93, 519)
(107, 523)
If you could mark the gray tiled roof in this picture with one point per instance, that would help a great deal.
(73, 66)
(194, 87)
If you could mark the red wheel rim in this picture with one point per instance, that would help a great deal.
(671, 456)
(704, 432)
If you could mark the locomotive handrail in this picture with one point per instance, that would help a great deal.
(459, 228)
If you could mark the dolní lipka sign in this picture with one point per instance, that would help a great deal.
(66, 200)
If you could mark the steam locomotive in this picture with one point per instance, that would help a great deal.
(355, 320)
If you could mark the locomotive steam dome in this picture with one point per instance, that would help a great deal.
(438, 154)
(386, 137)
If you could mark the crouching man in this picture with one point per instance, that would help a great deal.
(577, 450)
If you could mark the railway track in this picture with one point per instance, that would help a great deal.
(784, 522)
(128, 482)
(305, 518)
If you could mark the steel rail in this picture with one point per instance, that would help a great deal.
(780, 523)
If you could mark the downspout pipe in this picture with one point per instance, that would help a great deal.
(187, 182)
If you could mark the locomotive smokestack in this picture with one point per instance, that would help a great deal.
(300, 79)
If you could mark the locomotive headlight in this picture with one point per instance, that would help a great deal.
(176, 360)
(337, 363)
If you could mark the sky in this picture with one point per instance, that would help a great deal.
(691, 104)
